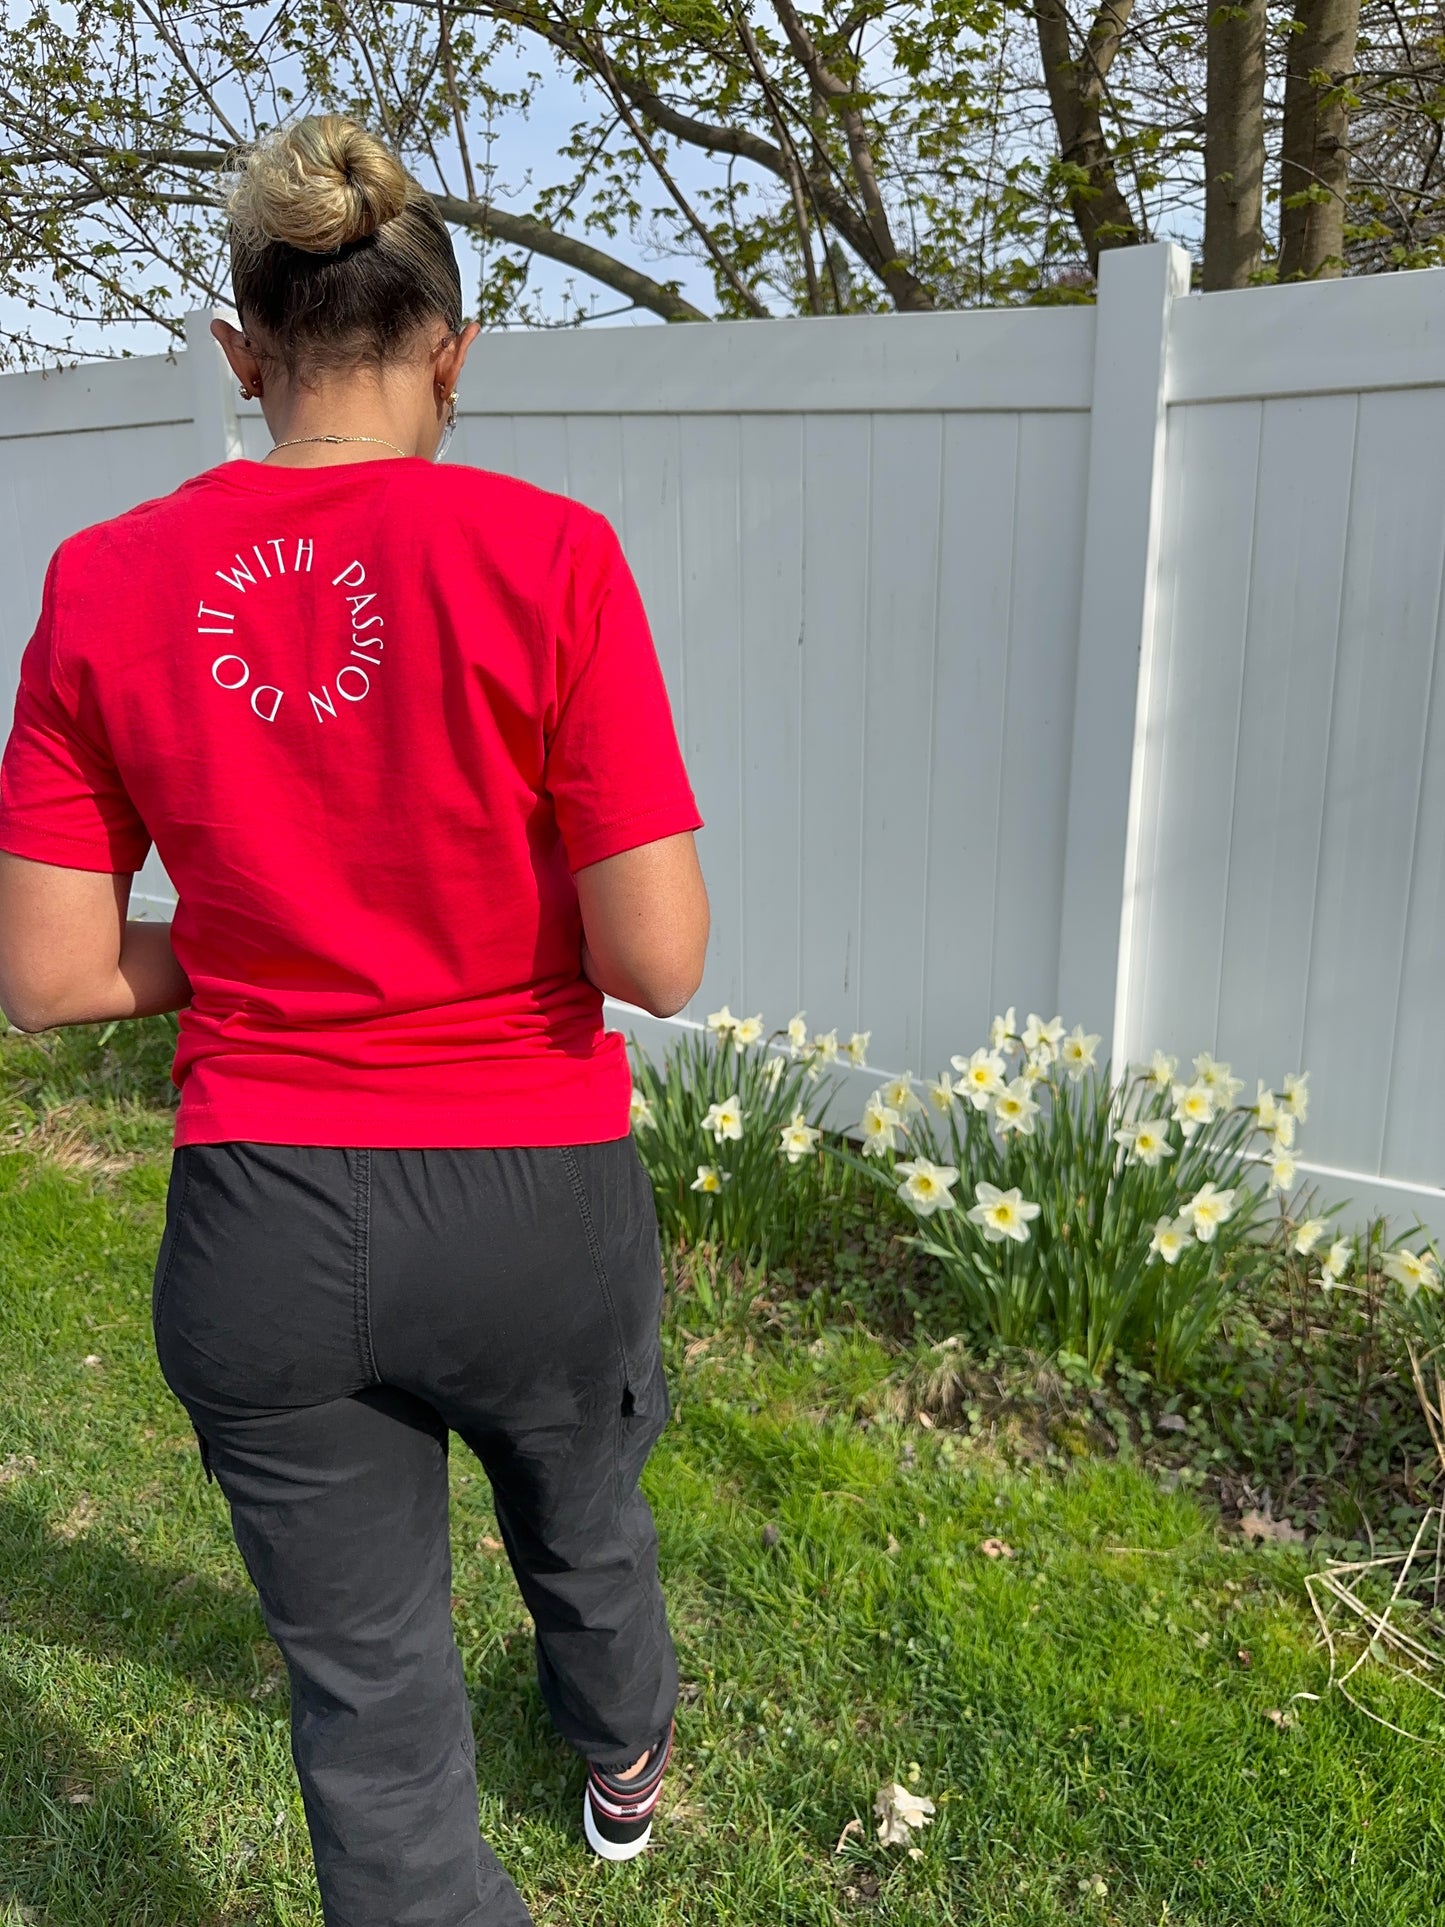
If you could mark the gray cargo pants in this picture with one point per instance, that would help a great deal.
(326, 1317)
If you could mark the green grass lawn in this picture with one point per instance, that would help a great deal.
(1091, 1716)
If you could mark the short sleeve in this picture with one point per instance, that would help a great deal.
(614, 770)
(61, 798)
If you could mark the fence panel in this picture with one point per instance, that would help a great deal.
(1084, 657)
(1290, 909)
(866, 615)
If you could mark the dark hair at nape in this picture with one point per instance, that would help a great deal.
(338, 258)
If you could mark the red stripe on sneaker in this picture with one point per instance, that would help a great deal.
(631, 1811)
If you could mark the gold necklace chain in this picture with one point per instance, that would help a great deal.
(379, 440)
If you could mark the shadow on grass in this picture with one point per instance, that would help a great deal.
(83, 1840)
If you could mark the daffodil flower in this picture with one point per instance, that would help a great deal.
(825, 1046)
(899, 1094)
(1039, 1035)
(1281, 1172)
(1266, 1107)
(797, 1138)
(879, 1125)
(1170, 1237)
(1145, 1142)
(1035, 1067)
(1217, 1080)
(773, 1070)
(1002, 1214)
(1206, 1211)
(926, 1186)
(856, 1049)
(709, 1179)
(1413, 1271)
(1014, 1109)
(940, 1091)
(1193, 1106)
(1003, 1030)
(1077, 1052)
(725, 1119)
(1337, 1262)
(747, 1030)
(798, 1034)
(640, 1113)
(1283, 1133)
(1309, 1235)
(1162, 1069)
(721, 1023)
(1296, 1097)
(980, 1077)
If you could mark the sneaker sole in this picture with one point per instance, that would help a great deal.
(610, 1849)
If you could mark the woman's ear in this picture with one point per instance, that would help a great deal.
(452, 355)
(238, 352)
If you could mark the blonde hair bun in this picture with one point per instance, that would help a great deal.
(317, 185)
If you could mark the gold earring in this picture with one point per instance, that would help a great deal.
(247, 395)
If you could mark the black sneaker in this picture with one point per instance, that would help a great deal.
(617, 1814)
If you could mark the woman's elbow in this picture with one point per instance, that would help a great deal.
(23, 1011)
(663, 984)
(668, 998)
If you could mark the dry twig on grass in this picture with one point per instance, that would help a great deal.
(1347, 1618)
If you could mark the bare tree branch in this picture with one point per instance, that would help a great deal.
(659, 167)
(905, 287)
(790, 161)
(515, 230)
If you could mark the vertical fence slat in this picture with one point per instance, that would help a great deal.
(837, 488)
(1033, 825)
(709, 484)
(980, 486)
(902, 574)
(770, 636)
(1288, 676)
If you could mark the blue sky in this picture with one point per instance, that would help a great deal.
(525, 147)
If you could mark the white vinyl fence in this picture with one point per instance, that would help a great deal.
(1080, 659)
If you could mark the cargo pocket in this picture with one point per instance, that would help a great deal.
(620, 1220)
(646, 1409)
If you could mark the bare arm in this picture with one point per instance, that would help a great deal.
(645, 924)
(69, 956)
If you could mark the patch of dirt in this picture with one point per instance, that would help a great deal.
(68, 1141)
(80, 1518)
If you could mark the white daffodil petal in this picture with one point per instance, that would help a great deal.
(1309, 1235)
(926, 1186)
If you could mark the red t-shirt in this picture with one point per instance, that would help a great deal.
(373, 717)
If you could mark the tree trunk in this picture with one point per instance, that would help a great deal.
(1101, 214)
(1234, 144)
(1314, 159)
